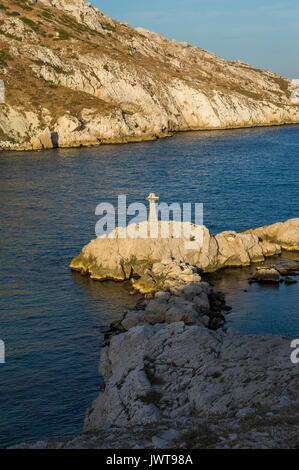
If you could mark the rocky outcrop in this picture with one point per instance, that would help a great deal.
(43, 140)
(295, 92)
(274, 427)
(172, 382)
(177, 386)
(184, 298)
(83, 11)
(166, 366)
(121, 258)
(155, 373)
(168, 273)
(284, 234)
(64, 59)
(267, 276)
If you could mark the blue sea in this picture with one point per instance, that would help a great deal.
(53, 321)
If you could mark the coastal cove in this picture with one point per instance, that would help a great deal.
(53, 321)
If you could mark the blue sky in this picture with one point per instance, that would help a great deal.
(263, 33)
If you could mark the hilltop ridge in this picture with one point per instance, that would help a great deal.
(74, 77)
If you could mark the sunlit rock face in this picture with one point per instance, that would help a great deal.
(295, 92)
(120, 256)
(70, 63)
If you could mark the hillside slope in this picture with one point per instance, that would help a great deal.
(73, 76)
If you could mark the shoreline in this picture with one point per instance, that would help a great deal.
(148, 138)
(150, 351)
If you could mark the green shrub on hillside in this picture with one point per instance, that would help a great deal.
(47, 14)
(57, 68)
(63, 35)
(23, 5)
(4, 57)
(29, 23)
(13, 13)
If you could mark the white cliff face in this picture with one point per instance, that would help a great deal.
(295, 91)
(126, 84)
(83, 11)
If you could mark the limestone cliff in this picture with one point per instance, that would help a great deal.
(73, 76)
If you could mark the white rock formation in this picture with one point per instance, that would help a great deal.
(295, 91)
(118, 258)
(284, 234)
(83, 11)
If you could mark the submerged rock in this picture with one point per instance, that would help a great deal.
(267, 276)
(285, 271)
(289, 281)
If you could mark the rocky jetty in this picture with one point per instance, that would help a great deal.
(168, 368)
(75, 77)
(173, 379)
(194, 303)
(168, 274)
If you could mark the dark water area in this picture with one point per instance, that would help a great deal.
(53, 321)
(260, 308)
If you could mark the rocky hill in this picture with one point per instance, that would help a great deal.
(73, 76)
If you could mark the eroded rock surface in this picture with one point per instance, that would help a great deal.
(274, 427)
(284, 234)
(192, 302)
(176, 371)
